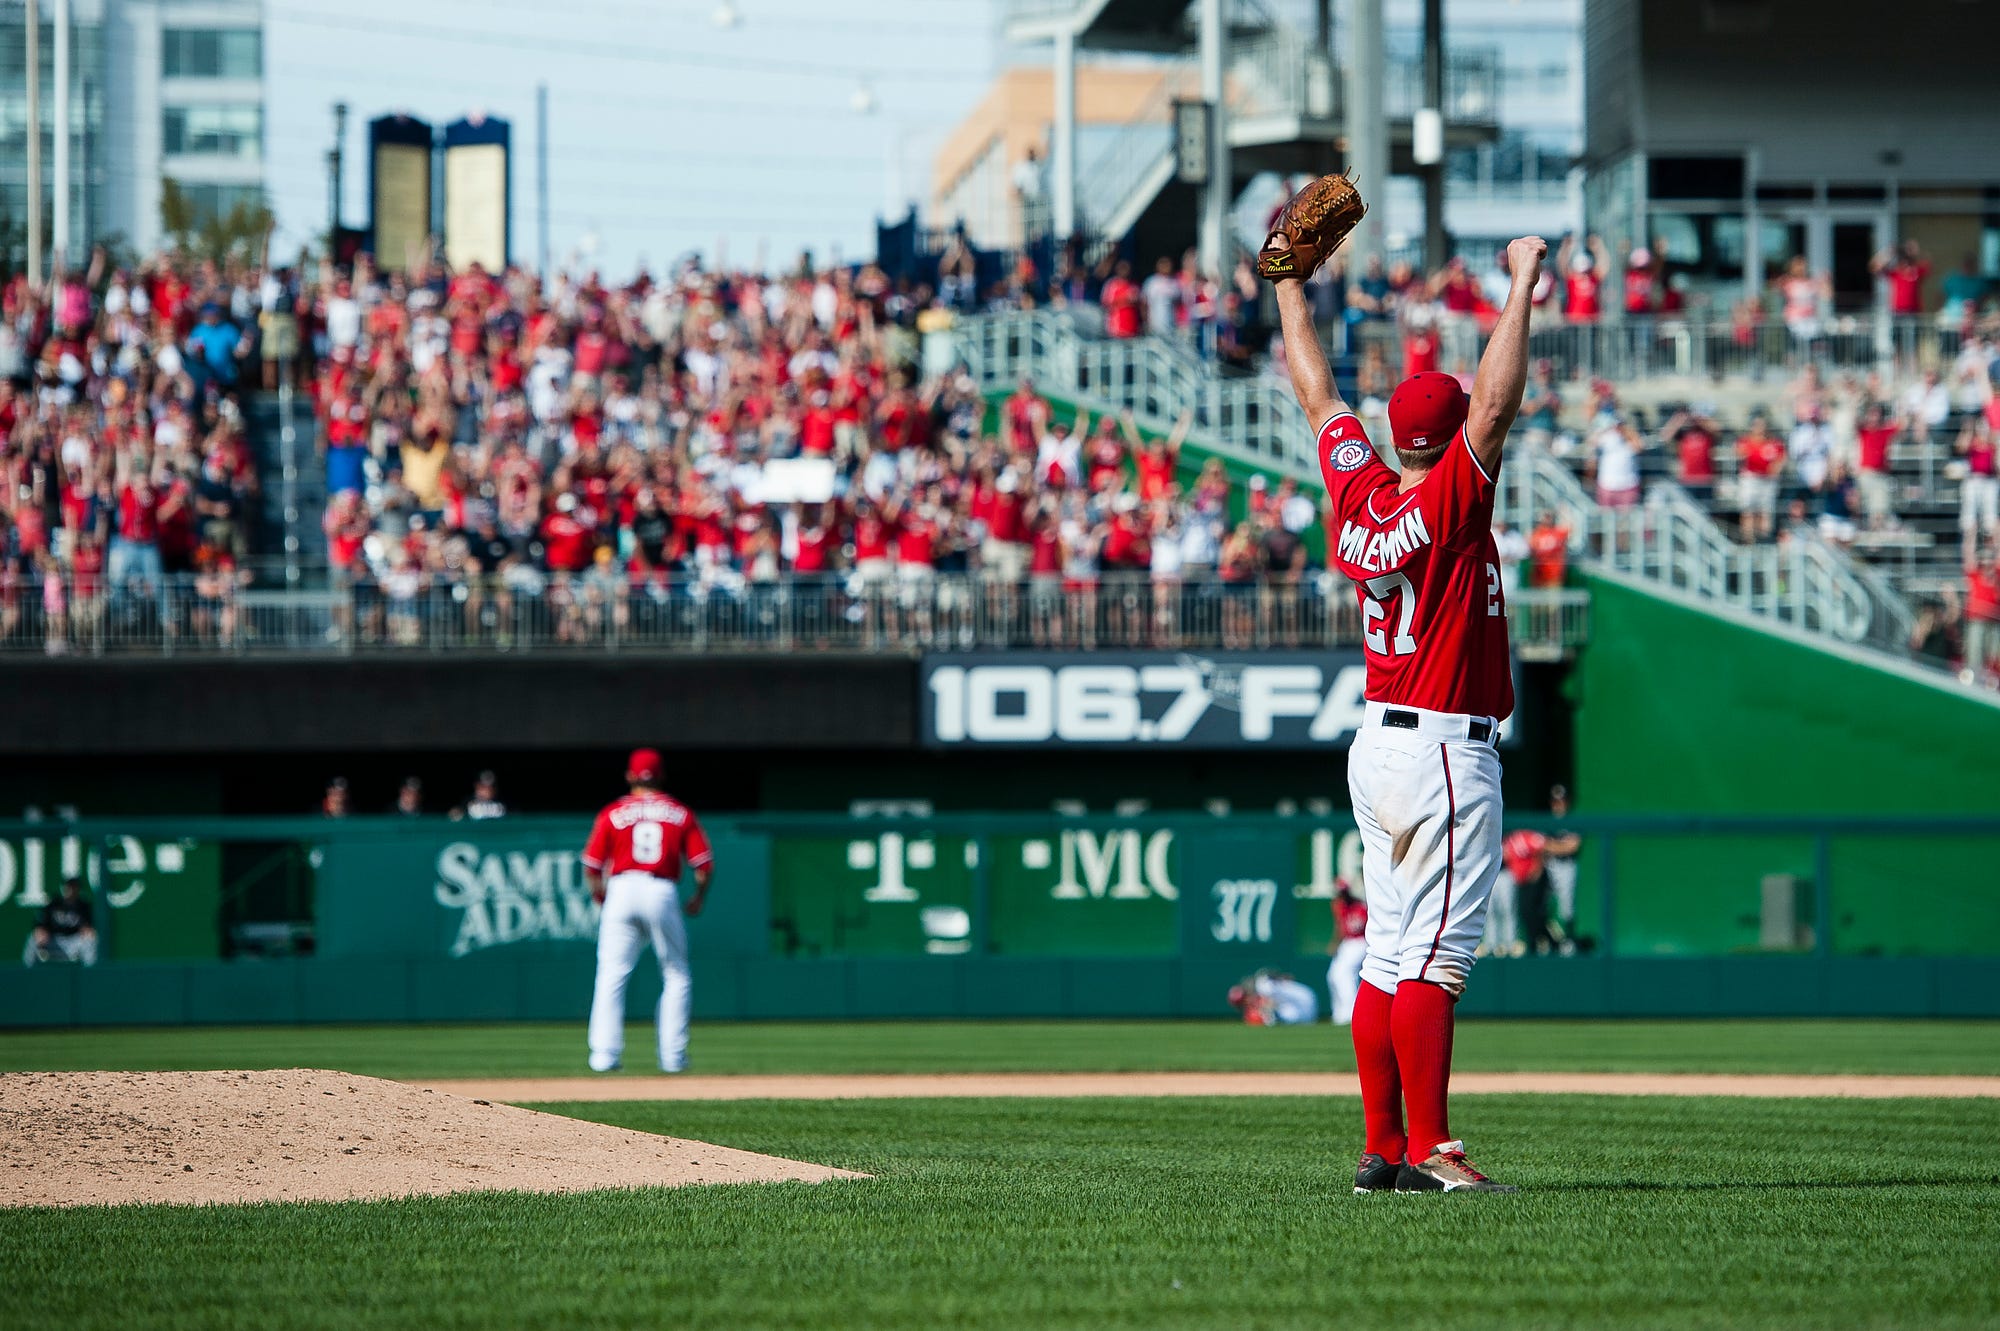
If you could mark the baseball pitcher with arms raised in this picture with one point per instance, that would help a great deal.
(1423, 771)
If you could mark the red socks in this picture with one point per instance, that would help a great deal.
(1420, 1023)
(1381, 1086)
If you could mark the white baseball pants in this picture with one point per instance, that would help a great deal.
(1502, 927)
(1427, 801)
(640, 909)
(1343, 978)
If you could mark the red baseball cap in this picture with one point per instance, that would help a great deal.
(1427, 409)
(644, 765)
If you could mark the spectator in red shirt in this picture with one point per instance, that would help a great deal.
(1982, 617)
(1642, 285)
(1979, 491)
(1694, 435)
(1874, 437)
(1760, 464)
(566, 537)
(1160, 458)
(135, 545)
(1120, 299)
(1420, 346)
(1548, 552)
(1905, 268)
(1584, 277)
(1104, 455)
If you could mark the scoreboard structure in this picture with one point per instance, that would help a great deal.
(440, 193)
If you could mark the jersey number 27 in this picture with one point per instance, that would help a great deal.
(1397, 585)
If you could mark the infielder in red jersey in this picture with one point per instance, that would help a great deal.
(1423, 772)
(633, 862)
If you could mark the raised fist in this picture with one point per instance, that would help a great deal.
(1524, 256)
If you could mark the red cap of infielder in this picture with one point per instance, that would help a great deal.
(1426, 410)
(644, 765)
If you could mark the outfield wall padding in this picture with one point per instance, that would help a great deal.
(557, 988)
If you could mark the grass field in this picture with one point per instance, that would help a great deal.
(411, 1052)
(1191, 1212)
(1195, 1212)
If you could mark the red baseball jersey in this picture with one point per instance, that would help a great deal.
(1350, 918)
(1525, 853)
(651, 833)
(1433, 615)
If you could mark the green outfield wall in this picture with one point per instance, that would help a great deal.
(1680, 707)
(1685, 708)
(966, 915)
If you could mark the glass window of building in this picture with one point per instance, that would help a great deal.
(216, 200)
(212, 53)
(222, 130)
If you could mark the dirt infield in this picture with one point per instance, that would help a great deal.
(82, 1138)
(521, 1090)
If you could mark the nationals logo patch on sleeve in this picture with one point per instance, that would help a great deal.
(1350, 455)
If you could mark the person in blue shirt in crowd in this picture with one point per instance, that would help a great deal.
(212, 349)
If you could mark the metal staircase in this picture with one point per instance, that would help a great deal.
(1283, 92)
(1670, 541)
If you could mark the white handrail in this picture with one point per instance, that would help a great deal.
(1671, 540)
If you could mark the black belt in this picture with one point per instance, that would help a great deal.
(1477, 731)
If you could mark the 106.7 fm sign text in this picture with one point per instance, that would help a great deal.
(1221, 700)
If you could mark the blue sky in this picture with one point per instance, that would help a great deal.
(666, 132)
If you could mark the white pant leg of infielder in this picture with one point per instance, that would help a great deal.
(639, 910)
(1562, 888)
(676, 983)
(1343, 978)
(1501, 928)
(1429, 814)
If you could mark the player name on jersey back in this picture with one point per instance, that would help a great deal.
(1427, 572)
(1376, 550)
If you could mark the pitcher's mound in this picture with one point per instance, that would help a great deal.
(85, 1138)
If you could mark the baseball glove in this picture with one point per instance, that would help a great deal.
(1314, 223)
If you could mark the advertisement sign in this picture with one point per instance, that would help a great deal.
(1138, 700)
(474, 889)
(154, 900)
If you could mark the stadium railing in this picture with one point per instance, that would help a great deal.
(1255, 421)
(185, 615)
(1719, 350)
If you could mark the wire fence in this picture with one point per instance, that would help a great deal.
(894, 610)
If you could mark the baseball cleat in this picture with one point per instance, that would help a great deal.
(1447, 1170)
(1375, 1174)
(602, 1063)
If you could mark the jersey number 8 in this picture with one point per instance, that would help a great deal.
(647, 842)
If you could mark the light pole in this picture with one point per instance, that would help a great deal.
(334, 162)
(34, 54)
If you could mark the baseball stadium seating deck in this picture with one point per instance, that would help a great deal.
(834, 459)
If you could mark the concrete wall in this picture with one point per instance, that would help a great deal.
(1826, 89)
(550, 701)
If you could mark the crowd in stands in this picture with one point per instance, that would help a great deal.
(1838, 454)
(122, 449)
(601, 451)
(591, 450)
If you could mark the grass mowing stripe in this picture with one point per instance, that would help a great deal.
(550, 1049)
(1121, 1213)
